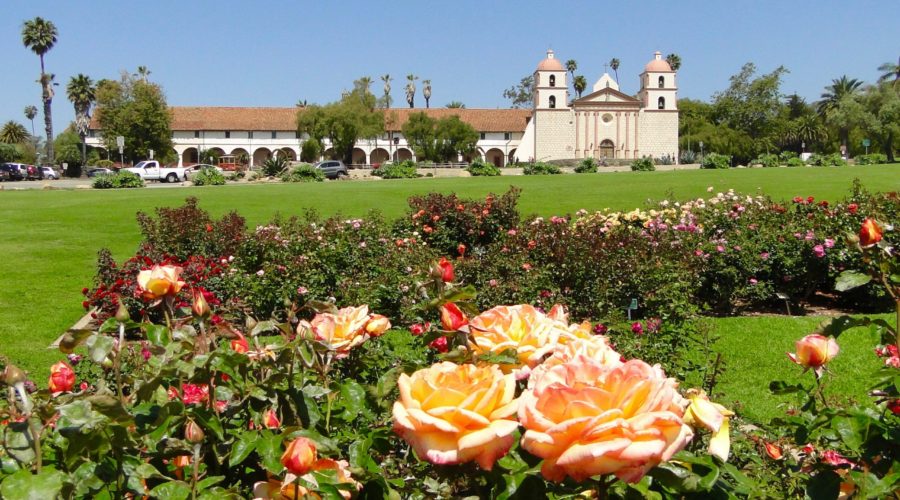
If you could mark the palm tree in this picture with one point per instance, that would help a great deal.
(40, 35)
(13, 133)
(143, 73)
(674, 61)
(426, 92)
(571, 66)
(614, 64)
(890, 70)
(580, 83)
(81, 93)
(365, 83)
(386, 78)
(839, 89)
(30, 113)
(411, 89)
(455, 105)
(808, 129)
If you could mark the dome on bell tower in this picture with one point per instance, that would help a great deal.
(551, 63)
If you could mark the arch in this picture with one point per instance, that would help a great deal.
(662, 82)
(288, 153)
(607, 149)
(241, 156)
(402, 154)
(553, 80)
(328, 154)
(216, 151)
(379, 155)
(190, 156)
(494, 156)
(261, 155)
(661, 103)
(552, 101)
(511, 157)
(358, 157)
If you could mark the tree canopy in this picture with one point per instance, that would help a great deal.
(135, 109)
(344, 122)
(439, 140)
(521, 95)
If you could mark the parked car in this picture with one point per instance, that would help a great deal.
(16, 171)
(189, 172)
(4, 173)
(49, 173)
(332, 168)
(95, 171)
(151, 170)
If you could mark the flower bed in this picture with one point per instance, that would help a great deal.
(219, 362)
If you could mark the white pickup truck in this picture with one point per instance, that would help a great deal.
(150, 170)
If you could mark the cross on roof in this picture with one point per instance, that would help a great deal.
(605, 66)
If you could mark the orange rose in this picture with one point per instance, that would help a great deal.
(444, 270)
(273, 489)
(452, 414)
(815, 351)
(62, 378)
(594, 347)
(523, 328)
(870, 233)
(377, 325)
(200, 307)
(240, 345)
(452, 318)
(343, 331)
(299, 456)
(160, 281)
(585, 419)
(270, 419)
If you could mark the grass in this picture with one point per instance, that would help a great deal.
(50, 238)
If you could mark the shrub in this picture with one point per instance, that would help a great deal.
(644, 164)
(303, 173)
(795, 162)
(105, 163)
(480, 168)
(275, 166)
(715, 160)
(541, 168)
(587, 166)
(123, 179)
(767, 160)
(831, 160)
(688, 157)
(786, 156)
(403, 170)
(311, 150)
(208, 177)
(872, 159)
(664, 160)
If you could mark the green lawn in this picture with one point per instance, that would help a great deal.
(50, 238)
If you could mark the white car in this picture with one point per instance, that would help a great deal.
(49, 173)
(151, 170)
(191, 171)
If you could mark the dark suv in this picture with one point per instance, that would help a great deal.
(332, 168)
(13, 171)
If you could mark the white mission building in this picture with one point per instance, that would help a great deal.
(604, 124)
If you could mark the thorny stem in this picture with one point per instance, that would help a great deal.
(196, 470)
(118, 362)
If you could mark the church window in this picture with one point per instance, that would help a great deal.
(482, 136)
(553, 80)
(607, 118)
(661, 103)
(506, 136)
(196, 134)
(228, 134)
(662, 82)
(553, 101)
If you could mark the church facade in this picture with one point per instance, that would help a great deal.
(606, 123)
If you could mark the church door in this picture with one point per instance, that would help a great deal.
(607, 149)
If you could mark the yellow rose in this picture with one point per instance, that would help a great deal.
(160, 281)
(704, 413)
(452, 414)
(585, 419)
(343, 331)
(530, 332)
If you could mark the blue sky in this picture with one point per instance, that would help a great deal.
(272, 53)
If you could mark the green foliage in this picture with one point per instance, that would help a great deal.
(311, 150)
(105, 163)
(481, 168)
(122, 179)
(303, 173)
(831, 160)
(586, 166)
(275, 166)
(9, 153)
(644, 164)
(208, 177)
(67, 146)
(136, 110)
(344, 122)
(767, 160)
(795, 162)
(403, 170)
(13, 133)
(208, 156)
(439, 140)
(541, 168)
(871, 159)
(521, 95)
(715, 160)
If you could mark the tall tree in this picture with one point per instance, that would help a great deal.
(571, 67)
(835, 107)
(880, 116)
(386, 78)
(521, 95)
(143, 73)
(13, 133)
(30, 112)
(580, 83)
(137, 111)
(344, 122)
(426, 92)
(364, 83)
(40, 35)
(439, 140)
(614, 64)
(890, 71)
(411, 89)
(674, 61)
(81, 92)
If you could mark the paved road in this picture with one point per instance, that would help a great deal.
(66, 183)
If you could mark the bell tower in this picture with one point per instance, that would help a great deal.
(659, 91)
(551, 88)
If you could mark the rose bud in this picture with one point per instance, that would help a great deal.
(13, 375)
(299, 456)
(182, 461)
(193, 433)
(815, 351)
(377, 325)
(62, 378)
(200, 307)
(773, 451)
(122, 314)
(240, 345)
(443, 270)
(870, 233)
(452, 318)
(270, 419)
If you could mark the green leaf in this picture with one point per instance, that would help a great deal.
(782, 387)
(851, 279)
(242, 448)
(505, 357)
(386, 383)
(268, 446)
(110, 407)
(353, 397)
(99, 347)
(157, 334)
(209, 482)
(72, 339)
(263, 327)
(173, 490)
(26, 486)
(17, 442)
